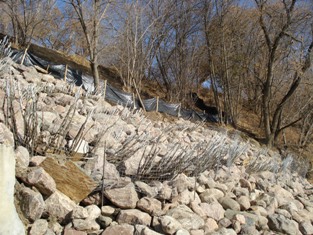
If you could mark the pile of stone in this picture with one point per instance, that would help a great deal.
(89, 194)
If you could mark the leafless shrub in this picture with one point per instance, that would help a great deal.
(180, 158)
(30, 137)
(278, 164)
(297, 164)
(5, 48)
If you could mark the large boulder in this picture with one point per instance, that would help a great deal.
(39, 178)
(229, 203)
(59, 206)
(214, 210)
(124, 229)
(150, 205)
(125, 197)
(22, 157)
(32, 204)
(281, 224)
(208, 194)
(169, 225)
(188, 219)
(134, 216)
(88, 225)
(39, 227)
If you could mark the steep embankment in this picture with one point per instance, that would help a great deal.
(156, 177)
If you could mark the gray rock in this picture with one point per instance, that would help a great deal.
(36, 160)
(130, 166)
(64, 100)
(56, 227)
(169, 224)
(213, 210)
(238, 191)
(88, 225)
(224, 231)
(22, 157)
(134, 216)
(32, 204)
(71, 231)
(197, 232)
(229, 203)
(39, 227)
(224, 222)
(197, 209)
(125, 198)
(182, 182)
(306, 227)
(107, 210)
(39, 178)
(259, 210)
(124, 229)
(59, 206)
(236, 226)
(302, 215)
(289, 206)
(104, 221)
(251, 219)
(240, 218)
(281, 224)
(187, 218)
(79, 212)
(150, 205)
(93, 199)
(272, 205)
(145, 189)
(185, 197)
(209, 193)
(283, 212)
(49, 232)
(244, 203)
(283, 196)
(144, 230)
(165, 192)
(262, 223)
(249, 230)
(93, 212)
(182, 232)
(210, 225)
(47, 119)
(156, 225)
(222, 187)
(245, 184)
(205, 181)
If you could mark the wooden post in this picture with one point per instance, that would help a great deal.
(48, 68)
(105, 88)
(65, 73)
(157, 104)
(134, 100)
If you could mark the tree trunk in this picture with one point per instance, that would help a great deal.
(95, 74)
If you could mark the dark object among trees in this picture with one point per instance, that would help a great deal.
(199, 103)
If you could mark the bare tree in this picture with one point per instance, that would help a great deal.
(135, 43)
(91, 13)
(274, 39)
(27, 17)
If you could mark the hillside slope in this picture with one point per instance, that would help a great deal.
(134, 175)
